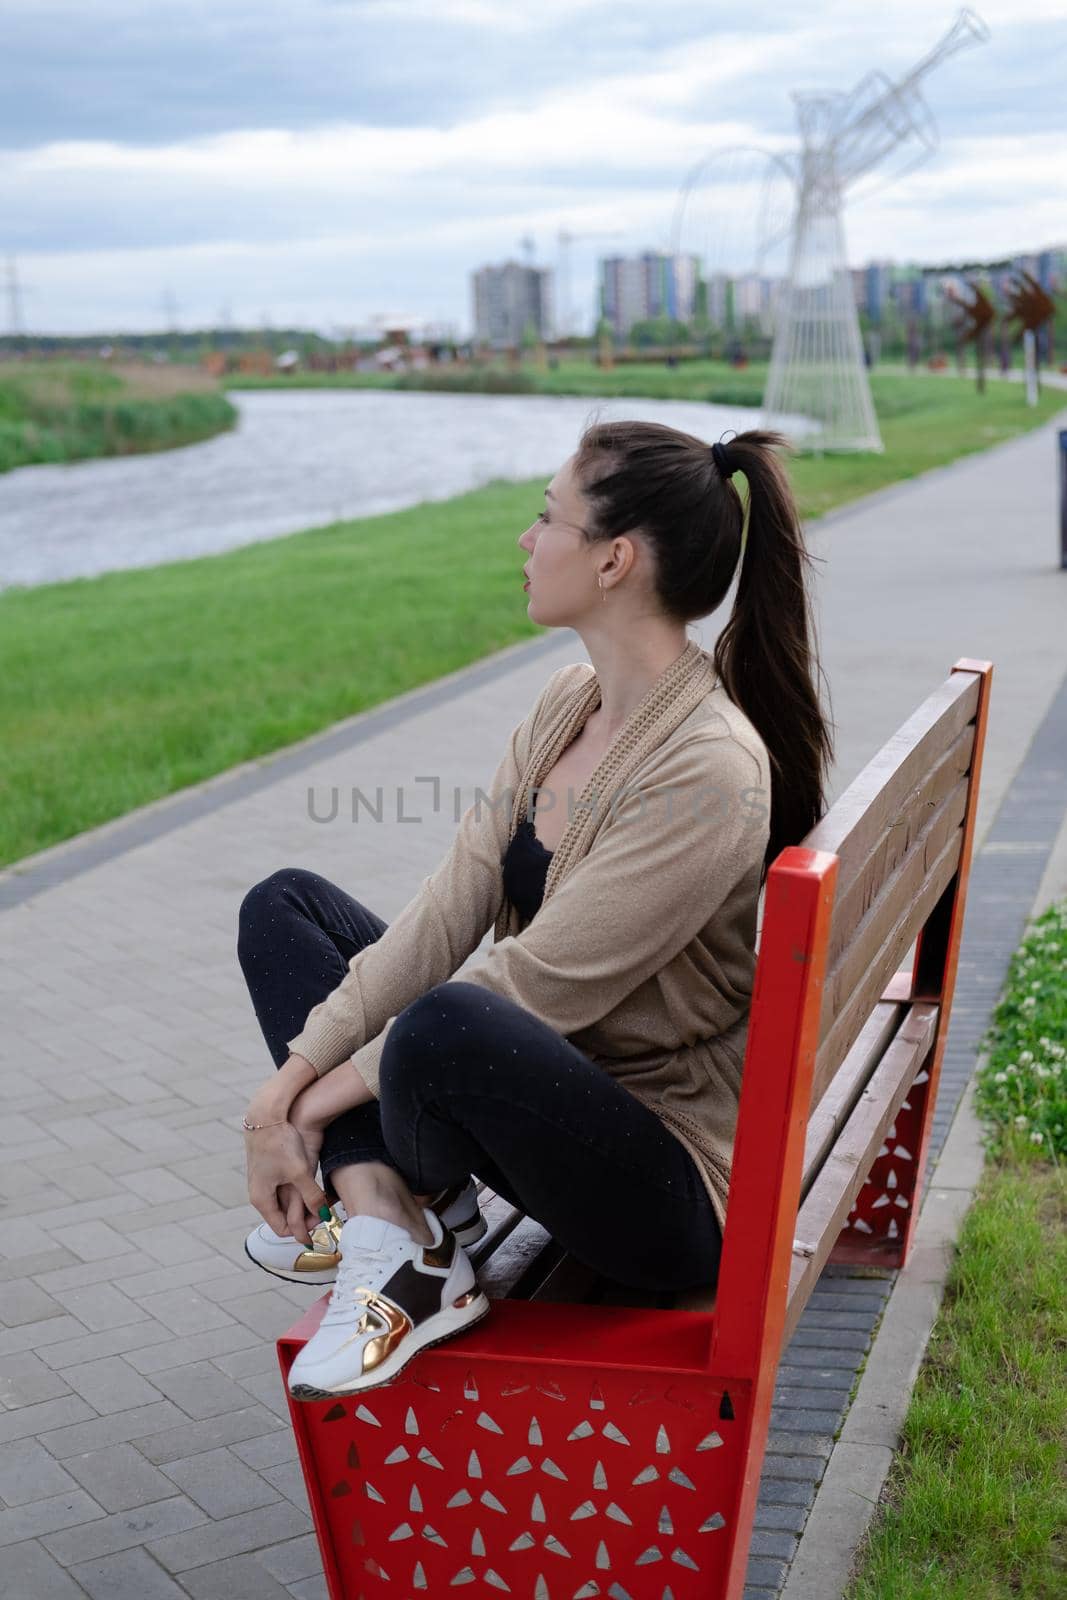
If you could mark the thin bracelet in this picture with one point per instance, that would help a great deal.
(254, 1127)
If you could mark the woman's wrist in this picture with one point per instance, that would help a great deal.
(273, 1101)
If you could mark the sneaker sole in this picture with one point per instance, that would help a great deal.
(419, 1340)
(467, 1234)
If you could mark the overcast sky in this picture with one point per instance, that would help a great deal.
(324, 162)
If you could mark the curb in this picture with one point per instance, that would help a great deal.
(859, 1464)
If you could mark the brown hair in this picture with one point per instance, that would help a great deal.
(645, 477)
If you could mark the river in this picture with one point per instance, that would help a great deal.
(298, 459)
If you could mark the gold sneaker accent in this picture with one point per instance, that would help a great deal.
(395, 1324)
(327, 1237)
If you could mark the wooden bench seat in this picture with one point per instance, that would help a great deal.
(591, 1439)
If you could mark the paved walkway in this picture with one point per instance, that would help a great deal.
(144, 1446)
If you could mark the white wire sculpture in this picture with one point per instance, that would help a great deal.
(817, 368)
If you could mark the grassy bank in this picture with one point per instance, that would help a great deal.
(69, 411)
(132, 685)
(975, 1505)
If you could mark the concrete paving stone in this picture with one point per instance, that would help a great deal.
(815, 1379)
(184, 1310)
(212, 1177)
(782, 1441)
(110, 1385)
(269, 1391)
(843, 1340)
(28, 1472)
(100, 1305)
(288, 1479)
(775, 1491)
(31, 1421)
(156, 1186)
(221, 1345)
(236, 1578)
(228, 1228)
(790, 1519)
(213, 1134)
(809, 1361)
(759, 1593)
(47, 1516)
(167, 1244)
(805, 1468)
(16, 1131)
(30, 1573)
(116, 1269)
(803, 1421)
(233, 1536)
(25, 1380)
(258, 1358)
(268, 1313)
(767, 1572)
(863, 1304)
(293, 1560)
(93, 1346)
(25, 1302)
(222, 1484)
(121, 1426)
(130, 1575)
(38, 1335)
(269, 1450)
(124, 1530)
(119, 1477)
(186, 1439)
(837, 1321)
(201, 1390)
(310, 1589)
(135, 1223)
(773, 1543)
(242, 1281)
(140, 1285)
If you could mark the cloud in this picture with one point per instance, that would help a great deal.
(331, 156)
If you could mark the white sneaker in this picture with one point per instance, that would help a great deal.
(286, 1257)
(393, 1297)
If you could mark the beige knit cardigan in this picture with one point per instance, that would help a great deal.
(642, 952)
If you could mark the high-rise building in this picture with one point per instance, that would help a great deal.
(508, 300)
(639, 288)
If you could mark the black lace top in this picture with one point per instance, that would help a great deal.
(525, 869)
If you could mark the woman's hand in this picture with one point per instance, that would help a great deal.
(281, 1178)
(281, 1175)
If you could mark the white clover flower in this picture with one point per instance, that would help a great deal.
(1000, 1077)
(1042, 1072)
(1022, 1122)
(1012, 1070)
(1025, 1057)
(1044, 1042)
(1037, 1137)
(1028, 1002)
(1036, 984)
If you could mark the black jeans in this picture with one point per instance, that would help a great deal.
(472, 1083)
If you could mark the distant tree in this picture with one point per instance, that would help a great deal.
(659, 331)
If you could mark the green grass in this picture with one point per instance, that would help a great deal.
(70, 411)
(975, 1505)
(130, 686)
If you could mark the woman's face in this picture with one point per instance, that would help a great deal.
(560, 567)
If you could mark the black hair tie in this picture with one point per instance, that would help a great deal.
(722, 461)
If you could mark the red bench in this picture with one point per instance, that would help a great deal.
(616, 1449)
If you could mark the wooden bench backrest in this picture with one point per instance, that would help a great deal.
(837, 1034)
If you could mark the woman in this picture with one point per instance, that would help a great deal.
(588, 1068)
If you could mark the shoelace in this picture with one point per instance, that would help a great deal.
(351, 1269)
